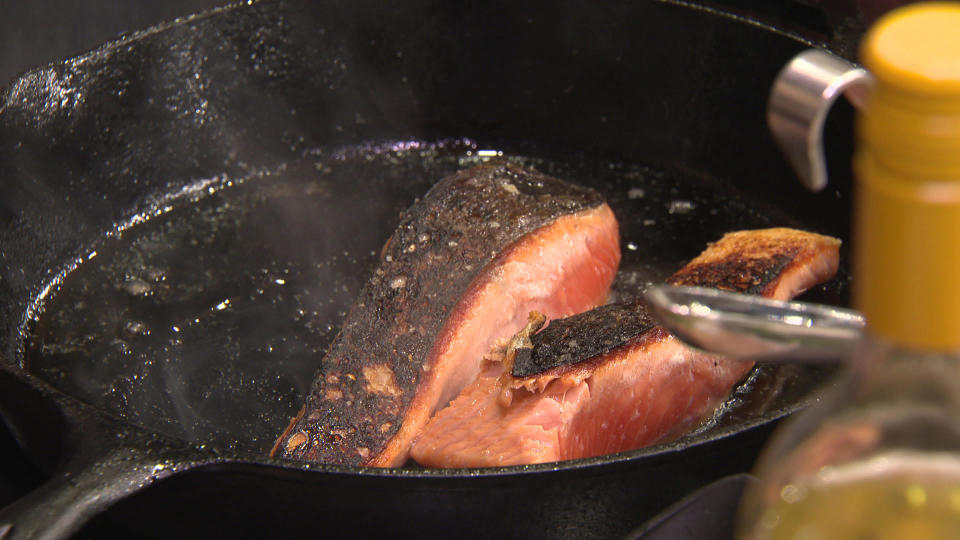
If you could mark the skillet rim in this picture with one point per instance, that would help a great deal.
(68, 404)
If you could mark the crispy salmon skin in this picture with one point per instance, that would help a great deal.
(464, 267)
(638, 386)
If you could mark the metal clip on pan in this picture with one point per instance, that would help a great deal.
(802, 95)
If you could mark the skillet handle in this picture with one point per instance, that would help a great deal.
(111, 463)
(107, 460)
(77, 491)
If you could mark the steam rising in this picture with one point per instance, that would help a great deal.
(206, 316)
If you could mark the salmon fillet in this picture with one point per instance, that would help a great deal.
(638, 387)
(466, 264)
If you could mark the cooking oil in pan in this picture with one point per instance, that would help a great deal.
(208, 320)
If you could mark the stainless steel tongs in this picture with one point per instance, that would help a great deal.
(757, 328)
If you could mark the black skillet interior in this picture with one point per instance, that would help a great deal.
(222, 185)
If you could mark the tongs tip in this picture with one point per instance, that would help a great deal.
(752, 327)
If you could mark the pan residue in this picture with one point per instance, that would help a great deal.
(207, 321)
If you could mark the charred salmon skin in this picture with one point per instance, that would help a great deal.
(638, 386)
(466, 264)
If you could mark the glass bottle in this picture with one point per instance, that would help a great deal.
(879, 455)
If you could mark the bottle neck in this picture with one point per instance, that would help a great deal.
(907, 219)
(912, 135)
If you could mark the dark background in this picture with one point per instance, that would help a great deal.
(37, 32)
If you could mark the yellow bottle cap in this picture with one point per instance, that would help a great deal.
(907, 213)
(917, 48)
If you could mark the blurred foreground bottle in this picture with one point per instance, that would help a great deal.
(879, 455)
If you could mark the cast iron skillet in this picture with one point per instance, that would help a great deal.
(658, 103)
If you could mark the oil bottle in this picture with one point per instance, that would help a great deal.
(879, 455)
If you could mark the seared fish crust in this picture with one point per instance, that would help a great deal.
(464, 267)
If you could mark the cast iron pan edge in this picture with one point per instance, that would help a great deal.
(126, 458)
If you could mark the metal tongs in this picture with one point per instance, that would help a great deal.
(751, 327)
(755, 328)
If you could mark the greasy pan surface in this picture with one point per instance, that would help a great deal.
(260, 155)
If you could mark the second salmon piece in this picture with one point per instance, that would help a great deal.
(465, 266)
(638, 385)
